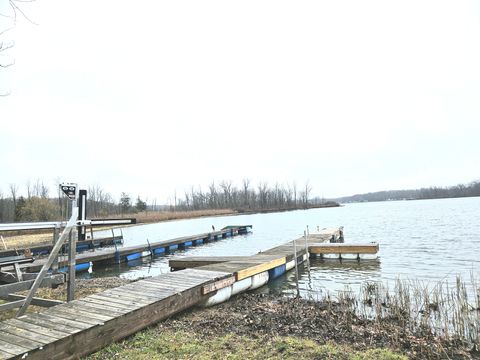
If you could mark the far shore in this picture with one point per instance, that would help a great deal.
(18, 240)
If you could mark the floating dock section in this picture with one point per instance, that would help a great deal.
(105, 256)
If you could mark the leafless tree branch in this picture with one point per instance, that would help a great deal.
(16, 9)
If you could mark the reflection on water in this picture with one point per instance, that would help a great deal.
(327, 277)
(426, 240)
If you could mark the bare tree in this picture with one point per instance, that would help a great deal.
(246, 185)
(13, 192)
(8, 19)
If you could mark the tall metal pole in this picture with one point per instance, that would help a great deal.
(72, 250)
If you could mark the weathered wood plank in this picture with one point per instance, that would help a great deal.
(157, 286)
(341, 248)
(110, 302)
(76, 316)
(19, 341)
(10, 348)
(220, 284)
(26, 334)
(121, 300)
(11, 305)
(36, 301)
(56, 323)
(134, 295)
(174, 282)
(38, 329)
(95, 309)
(256, 269)
(144, 293)
(26, 285)
(5, 355)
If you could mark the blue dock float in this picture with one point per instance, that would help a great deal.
(83, 247)
(159, 251)
(172, 247)
(198, 242)
(78, 268)
(134, 256)
(276, 272)
(188, 243)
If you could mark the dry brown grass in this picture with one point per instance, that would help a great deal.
(159, 216)
(25, 240)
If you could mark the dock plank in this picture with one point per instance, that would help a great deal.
(121, 300)
(341, 248)
(12, 349)
(60, 323)
(97, 309)
(26, 334)
(76, 316)
(58, 334)
(20, 341)
(254, 269)
(111, 303)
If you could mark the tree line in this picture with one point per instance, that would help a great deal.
(434, 192)
(35, 203)
(247, 196)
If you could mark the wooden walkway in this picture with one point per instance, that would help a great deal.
(122, 254)
(83, 326)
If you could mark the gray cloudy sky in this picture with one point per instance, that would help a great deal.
(151, 96)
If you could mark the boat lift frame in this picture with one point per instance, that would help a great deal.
(76, 223)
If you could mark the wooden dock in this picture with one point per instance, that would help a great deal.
(104, 256)
(83, 326)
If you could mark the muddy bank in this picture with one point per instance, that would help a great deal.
(259, 315)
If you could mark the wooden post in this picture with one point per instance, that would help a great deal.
(41, 275)
(18, 272)
(3, 242)
(296, 267)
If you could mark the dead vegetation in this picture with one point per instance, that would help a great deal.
(324, 322)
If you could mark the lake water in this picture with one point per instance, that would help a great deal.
(426, 240)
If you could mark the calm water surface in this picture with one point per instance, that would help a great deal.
(423, 240)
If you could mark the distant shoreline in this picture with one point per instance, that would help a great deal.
(26, 239)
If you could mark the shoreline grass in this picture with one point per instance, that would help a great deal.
(149, 344)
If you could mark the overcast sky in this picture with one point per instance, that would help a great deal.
(151, 96)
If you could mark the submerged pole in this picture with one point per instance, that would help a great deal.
(296, 267)
(305, 234)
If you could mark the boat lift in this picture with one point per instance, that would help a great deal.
(74, 228)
